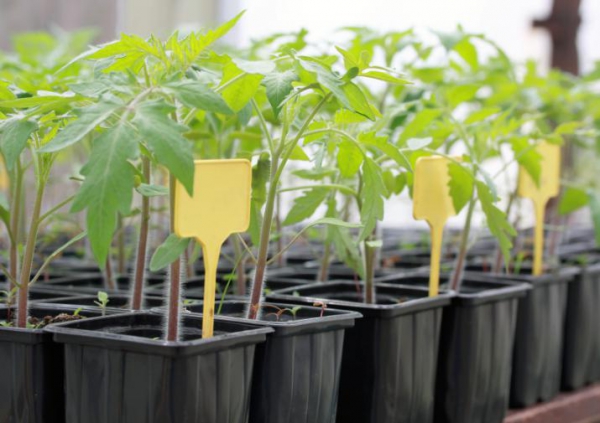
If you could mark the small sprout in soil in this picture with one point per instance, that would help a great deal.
(323, 306)
(281, 311)
(102, 301)
(36, 323)
(76, 312)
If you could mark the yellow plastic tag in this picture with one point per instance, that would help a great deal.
(219, 207)
(4, 179)
(548, 188)
(432, 202)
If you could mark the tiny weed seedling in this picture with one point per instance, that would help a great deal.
(103, 301)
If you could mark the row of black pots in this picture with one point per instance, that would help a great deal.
(391, 371)
(385, 404)
(549, 337)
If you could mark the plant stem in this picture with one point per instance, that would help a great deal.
(279, 229)
(370, 254)
(28, 257)
(265, 234)
(240, 270)
(324, 266)
(120, 246)
(15, 218)
(265, 230)
(499, 258)
(142, 250)
(175, 279)
(459, 267)
(110, 281)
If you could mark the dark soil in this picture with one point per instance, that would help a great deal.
(48, 320)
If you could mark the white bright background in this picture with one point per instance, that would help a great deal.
(508, 22)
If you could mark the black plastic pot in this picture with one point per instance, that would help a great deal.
(538, 351)
(297, 371)
(36, 293)
(289, 277)
(116, 371)
(476, 349)
(581, 357)
(194, 288)
(390, 356)
(32, 370)
(92, 283)
(117, 301)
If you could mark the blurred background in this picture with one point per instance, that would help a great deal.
(509, 22)
(558, 33)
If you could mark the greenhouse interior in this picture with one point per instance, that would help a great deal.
(274, 211)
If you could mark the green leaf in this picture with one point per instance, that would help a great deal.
(168, 252)
(458, 94)
(299, 154)
(350, 60)
(260, 178)
(347, 93)
(567, 128)
(305, 205)
(313, 174)
(594, 201)
(389, 149)
(373, 191)
(497, 221)
(200, 42)
(165, 140)
(479, 115)
(88, 119)
(419, 123)
(108, 186)
(468, 52)
(279, 86)
(572, 199)
(461, 185)
(394, 184)
(152, 190)
(382, 76)
(198, 95)
(241, 87)
(528, 157)
(27, 102)
(92, 89)
(349, 159)
(358, 101)
(14, 138)
(345, 116)
(5, 213)
(331, 221)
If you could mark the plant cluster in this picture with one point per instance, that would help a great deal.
(341, 125)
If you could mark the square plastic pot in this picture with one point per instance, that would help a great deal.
(94, 282)
(581, 357)
(390, 356)
(194, 288)
(116, 372)
(289, 277)
(476, 349)
(118, 302)
(297, 370)
(539, 338)
(31, 365)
